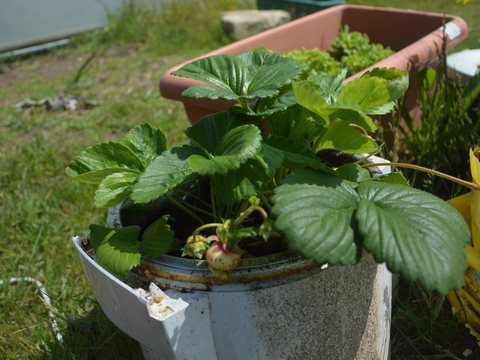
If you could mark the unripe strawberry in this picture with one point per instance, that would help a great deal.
(221, 261)
(196, 246)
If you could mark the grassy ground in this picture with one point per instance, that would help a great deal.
(42, 208)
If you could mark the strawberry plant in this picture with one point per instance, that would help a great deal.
(256, 176)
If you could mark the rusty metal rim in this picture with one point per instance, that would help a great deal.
(247, 271)
(271, 261)
(258, 276)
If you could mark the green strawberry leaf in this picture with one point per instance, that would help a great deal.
(326, 219)
(341, 136)
(268, 106)
(381, 109)
(246, 76)
(248, 180)
(295, 155)
(101, 160)
(268, 72)
(315, 213)
(392, 178)
(397, 80)
(207, 132)
(272, 157)
(114, 189)
(354, 173)
(347, 110)
(208, 92)
(164, 173)
(395, 222)
(116, 250)
(366, 91)
(225, 72)
(296, 123)
(146, 142)
(234, 149)
(157, 239)
(329, 86)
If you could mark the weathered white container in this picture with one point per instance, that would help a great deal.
(271, 308)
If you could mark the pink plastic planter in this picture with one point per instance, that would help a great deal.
(415, 36)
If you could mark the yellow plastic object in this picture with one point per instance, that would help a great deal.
(463, 205)
(475, 202)
(471, 285)
(473, 258)
(465, 302)
(466, 308)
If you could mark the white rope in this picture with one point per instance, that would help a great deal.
(46, 301)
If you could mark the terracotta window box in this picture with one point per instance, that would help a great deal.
(415, 36)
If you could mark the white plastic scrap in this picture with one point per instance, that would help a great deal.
(159, 304)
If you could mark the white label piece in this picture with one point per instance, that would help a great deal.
(452, 30)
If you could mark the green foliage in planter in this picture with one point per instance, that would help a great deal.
(314, 61)
(362, 59)
(351, 50)
(273, 185)
(347, 43)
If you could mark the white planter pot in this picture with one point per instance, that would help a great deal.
(272, 308)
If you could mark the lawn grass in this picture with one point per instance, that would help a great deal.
(43, 208)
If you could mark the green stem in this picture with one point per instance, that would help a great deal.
(212, 200)
(188, 211)
(247, 212)
(239, 206)
(228, 212)
(265, 200)
(280, 174)
(205, 226)
(319, 139)
(244, 104)
(468, 184)
(192, 195)
(188, 205)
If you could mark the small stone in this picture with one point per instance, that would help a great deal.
(244, 23)
(467, 352)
